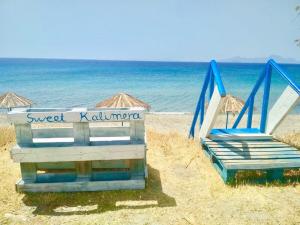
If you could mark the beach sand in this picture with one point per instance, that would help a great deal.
(182, 188)
(180, 123)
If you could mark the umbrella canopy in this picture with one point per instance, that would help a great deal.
(122, 100)
(12, 100)
(232, 104)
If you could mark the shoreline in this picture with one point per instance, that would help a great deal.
(179, 122)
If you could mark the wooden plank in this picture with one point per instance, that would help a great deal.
(28, 172)
(76, 115)
(109, 131)
(241, 136)
(137, 131)
(56, 177)
(257, 153)
(253, 149)
(121, 142)
(245, 146)
(206, 140)
(77, 153)
(55, 165)
(52, 132)
(81, 133)
(211, 113)
(108, 164)
(261, 164)
(111, 175)
(81, 186)
(23, 134)
(252, 157)
(84, 170)
(288, 99)
(137, 167)
(250, 143)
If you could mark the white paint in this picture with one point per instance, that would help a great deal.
(78, 153)
(281, 108)
(75, 115)
(211, 114)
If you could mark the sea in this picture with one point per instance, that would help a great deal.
(166, 86)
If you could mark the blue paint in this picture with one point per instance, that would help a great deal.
(235, 131)
(212, 76)
(265, 103)
(250, 112)
(48, 119)
(102, 116)
(200, 105)
(217, 77)
(285, 76)
(252, 95)
(266, 77)
(174, 85)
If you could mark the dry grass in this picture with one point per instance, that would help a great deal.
(7, 135)
(182, 188)
(291, 138)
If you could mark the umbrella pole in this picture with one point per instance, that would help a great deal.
(226, 120)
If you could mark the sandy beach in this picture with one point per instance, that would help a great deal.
(182, 188)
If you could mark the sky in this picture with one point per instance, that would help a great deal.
(163, 30)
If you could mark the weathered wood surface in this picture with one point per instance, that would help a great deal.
(75, 115)
(212, 112)
(109, 131)
(135, 183)
(77, 153)
(286, 102)
(23, 134)
(229, 157)
(83, 157)
(52, 132)
(68, 132)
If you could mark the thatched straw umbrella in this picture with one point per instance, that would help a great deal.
(122, 100)
(231, 104)
(11, 100)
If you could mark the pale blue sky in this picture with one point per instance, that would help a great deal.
(179, 30)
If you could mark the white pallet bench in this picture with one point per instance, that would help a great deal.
(95, 154)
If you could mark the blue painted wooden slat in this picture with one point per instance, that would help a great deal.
(265, 103)
(250, 112)
(252, 94)
(212, 77)
(217, 78)
(200, 104)
(285, 76)
(211, 86)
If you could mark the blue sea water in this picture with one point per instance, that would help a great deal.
(166, 86)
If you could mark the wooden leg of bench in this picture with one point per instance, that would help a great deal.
(229, 176)
(84, 170)
(275, 174)
(137, 168)
(28, 171)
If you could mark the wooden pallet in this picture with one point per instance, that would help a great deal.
(230, 157)
(89, 156)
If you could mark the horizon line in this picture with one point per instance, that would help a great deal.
(137, 60)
